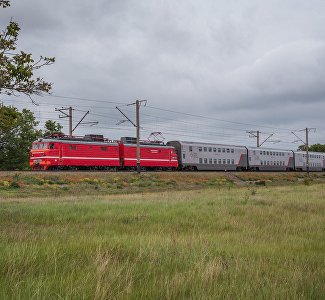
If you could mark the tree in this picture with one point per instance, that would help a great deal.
(17, 68)
(313, 148)
(17, 132)
(52, 127)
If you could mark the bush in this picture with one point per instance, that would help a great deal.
(260, 182)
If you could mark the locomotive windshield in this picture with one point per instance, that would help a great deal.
(39, 146)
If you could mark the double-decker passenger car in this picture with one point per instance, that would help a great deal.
(265, 159)
(209, 156)
(316, 161)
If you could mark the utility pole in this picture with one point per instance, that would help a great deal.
(307, 150)
(70, 121)
(137, 108)
(306, 143)
(66, 115)
(256, 134)
(69, 115)
(137, 104)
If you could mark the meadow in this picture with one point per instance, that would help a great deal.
(161, 238)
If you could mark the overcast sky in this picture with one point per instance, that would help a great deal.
(253, 63)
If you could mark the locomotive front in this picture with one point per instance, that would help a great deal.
(44, 155)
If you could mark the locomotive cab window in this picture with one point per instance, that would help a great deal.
(73, 147)
(51, 146)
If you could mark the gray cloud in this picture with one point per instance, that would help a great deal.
(252, 62)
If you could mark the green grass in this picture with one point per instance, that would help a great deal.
(233, 243)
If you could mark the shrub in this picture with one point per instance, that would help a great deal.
(260, 182)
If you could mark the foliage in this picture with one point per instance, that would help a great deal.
(17, 67)
(17, 132)
(313, 148)
(52, 127)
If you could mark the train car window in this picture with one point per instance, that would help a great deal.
(51, 146)
(200, 149)
(210, 160)
(200, 160)
(219, 161)
(215, 161)
(223, 150)
(219, 150)
(205, 149)
(232, 150)
(73, 147)
(205, 160)
(214, 149)
(191, 148)
(232, 161)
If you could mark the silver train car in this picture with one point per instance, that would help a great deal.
(220, 157)
(316, 161)
(208, 156)
(265, 159)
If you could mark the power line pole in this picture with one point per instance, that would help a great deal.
(306, 143)
(257, 134)
(137, 104)
(70, 121)
(307, 151)
(137, 108)
(66, 115)
(69, 115)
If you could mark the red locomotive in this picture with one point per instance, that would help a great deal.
(95, 152)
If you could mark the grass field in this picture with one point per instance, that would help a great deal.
(213, 241)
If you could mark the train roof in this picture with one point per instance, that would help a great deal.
(268, 149)
(77, 141)
(206, 144)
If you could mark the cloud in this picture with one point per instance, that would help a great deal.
(253, 61)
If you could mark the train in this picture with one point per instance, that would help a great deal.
(60, 152)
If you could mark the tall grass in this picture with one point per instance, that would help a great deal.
(245, 243)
